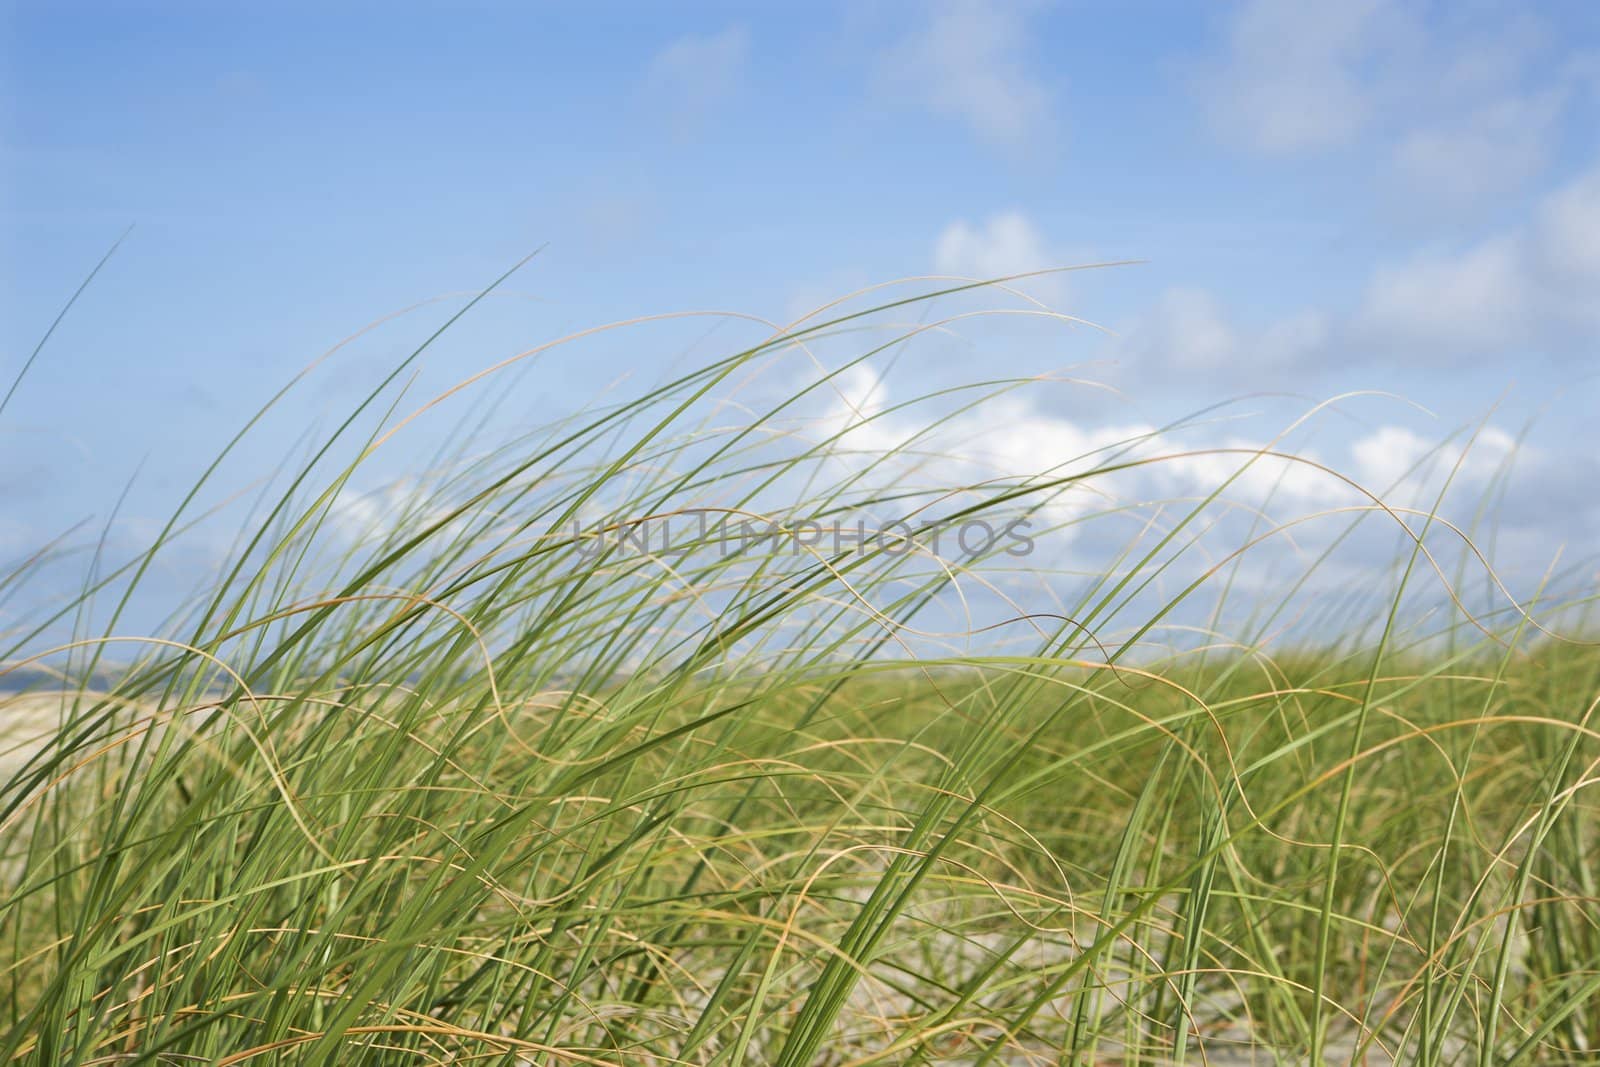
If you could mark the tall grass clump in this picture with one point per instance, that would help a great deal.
(489, 768)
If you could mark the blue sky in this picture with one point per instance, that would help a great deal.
(1324, 197)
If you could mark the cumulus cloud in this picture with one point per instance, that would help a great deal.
(1011, 436)
(1394, 459)
(1188, 330)
(364, 517)
(1458, 105)
(1567, 232)
(1384, 456)
(1463, 162)
(695, 74)
(1478, 300)
(1527, 289)
(853, 416)
(1002, 245)
(1004, 439)
(968, 62)
(1524, 291)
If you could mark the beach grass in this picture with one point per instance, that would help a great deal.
(493, 783)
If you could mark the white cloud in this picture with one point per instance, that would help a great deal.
(1395, 459)
(1527, 288)
(694, 74)
(1299, 481)
(1460, 164)
(1002, 245)
(1014, 436)
(1488, 62)
(1295, 339)
(1188, 330)
(363, 517)
(1447, 93)
(1567, 232)
(1293, 78)
(1384, 456)
(968, 63)
(1476, 301)
(854, 415)
(1005, 437)
(1010, 436)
